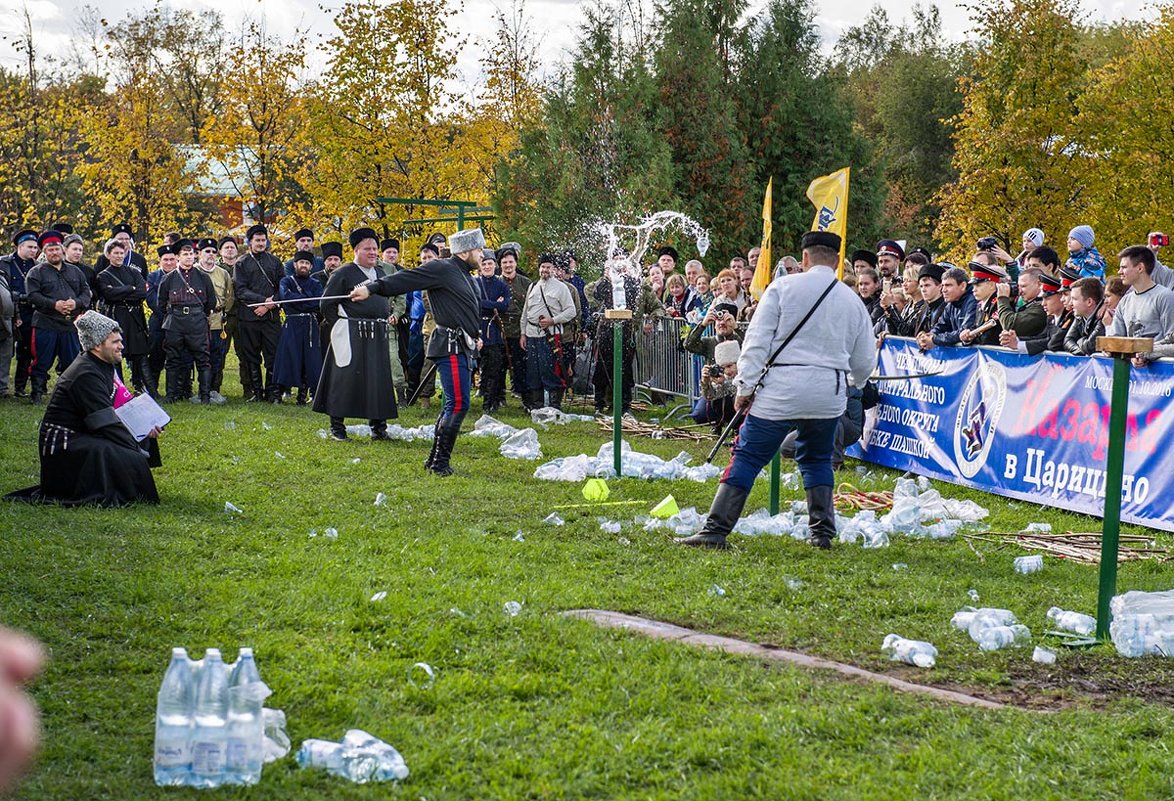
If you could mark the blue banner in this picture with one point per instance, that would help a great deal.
(1034, 428)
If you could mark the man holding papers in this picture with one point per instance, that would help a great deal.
(88, 455)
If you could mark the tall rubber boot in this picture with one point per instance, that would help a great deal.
(821, 516)
(204, 375)
(723, 515)
(556, 398)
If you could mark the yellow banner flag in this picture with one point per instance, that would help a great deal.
(829, 195)
(763, 270)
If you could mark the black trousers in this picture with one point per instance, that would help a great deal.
(518, 378)
(603, 369)
(492, 365)
(23, 346)
(257, 344)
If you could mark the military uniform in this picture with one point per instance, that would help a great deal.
(123, 290)
(186, 299)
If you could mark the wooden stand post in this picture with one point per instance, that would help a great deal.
(1122, 349)
(618, 316)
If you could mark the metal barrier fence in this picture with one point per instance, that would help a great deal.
(662, 363)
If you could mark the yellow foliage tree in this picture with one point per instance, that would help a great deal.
(260, 137)
(1127, 117)
(378, 120)
(1018, 155)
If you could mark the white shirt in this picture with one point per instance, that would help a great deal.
(557, 295)
(810, 379)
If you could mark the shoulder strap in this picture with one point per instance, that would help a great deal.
(771, 362)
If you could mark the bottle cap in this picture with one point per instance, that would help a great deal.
(212, 653)
(245, 651)
(178, 651)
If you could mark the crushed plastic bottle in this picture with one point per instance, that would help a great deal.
(487, 426)
(1045, 528)
(965, 617)
(380, 499)
(521, 445)
(356, 460)
(973, 593)
(1043, 656)
(624, 541)
(717, 591)
(553, 519)
(912, 652)
(790, 481)
(330, 533)
(390, 765)
(1072, 621)
(313, 533)
(793, 583)
(900, 566)
(518, 537)
(275, 744)
(231, 508)
(995, 638)
(609, 526)
(512, 608)
(379, 596)
(1029, 564)
(1142, 623)
(358, 766)
(265, 426)
(279, 455)
(421, 676)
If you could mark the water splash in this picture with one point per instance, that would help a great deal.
(627, 244)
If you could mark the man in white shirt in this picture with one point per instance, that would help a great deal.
(826, 338)
(549, 306)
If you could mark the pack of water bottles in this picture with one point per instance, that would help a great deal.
(209, 721)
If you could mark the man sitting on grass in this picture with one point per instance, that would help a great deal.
(87, 455)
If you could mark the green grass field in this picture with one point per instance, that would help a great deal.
(537, 706)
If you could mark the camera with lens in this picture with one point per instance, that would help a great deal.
(716, 371)
(988, 243)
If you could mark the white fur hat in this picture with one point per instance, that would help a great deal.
(727, 352)
(466, 240)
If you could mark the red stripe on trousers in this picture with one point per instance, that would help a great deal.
(458, 401)
(32, 350)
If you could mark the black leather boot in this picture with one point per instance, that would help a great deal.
(204, 376)
(303, 393)
(379, 430)
(445, 439)
(257, 383)
(173, 386)
(435, 443)
(821, 516)
(338, 429)
(556, 398)
(39, 387)
(723, 515)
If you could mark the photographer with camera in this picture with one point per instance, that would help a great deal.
(716, 404)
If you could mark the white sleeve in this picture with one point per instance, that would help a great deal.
(567, 312)
(758, 340)
(862, 359)
(1118, 328)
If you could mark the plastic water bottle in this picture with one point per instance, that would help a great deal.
(245, 726)
(358, 766)
(211, 711)
(1029, 564)
(619, 297)
(1072, 621)
(911, 652)
(173, 723)
(994, 638)
(390, 764)
(964, 618)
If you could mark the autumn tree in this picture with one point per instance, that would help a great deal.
(1126, 122)
(1017, 151)
(378, 118)
(260, 136)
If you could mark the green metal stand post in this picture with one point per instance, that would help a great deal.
(775, 467)
(1114, 475)
(617, 394)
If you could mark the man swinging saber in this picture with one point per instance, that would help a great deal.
(456, 306)
(816, 327)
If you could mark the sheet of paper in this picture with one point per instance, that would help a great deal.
(141, 414)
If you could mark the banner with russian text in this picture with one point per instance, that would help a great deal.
(1034, 428)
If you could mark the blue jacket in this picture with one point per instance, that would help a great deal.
(957, 317)
(493, 288)
(292, 288)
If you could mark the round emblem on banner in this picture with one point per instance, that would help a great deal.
(978, 414)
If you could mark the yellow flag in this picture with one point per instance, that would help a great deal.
(829, 195)
(762, 270)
